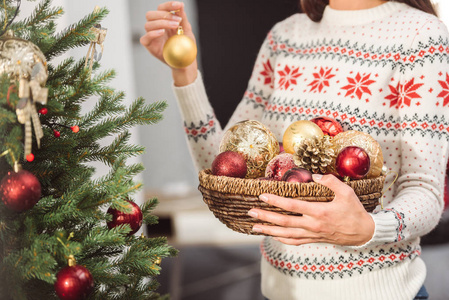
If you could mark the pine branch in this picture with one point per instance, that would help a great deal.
(70, 218)
(75, 35)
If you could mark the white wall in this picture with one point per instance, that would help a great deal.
(168, 163)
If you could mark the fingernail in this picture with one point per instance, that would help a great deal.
(176, 4)
(253, 214)
(176, 18)
(173, 23)
(263, 198)
(257, 229)
(317, 177)
(159, 31)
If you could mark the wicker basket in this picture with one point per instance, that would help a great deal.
(230, 199)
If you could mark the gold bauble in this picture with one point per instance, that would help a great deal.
(21, 59)
(299, 131)
(255, 142)
(179, 50)
(365, 141)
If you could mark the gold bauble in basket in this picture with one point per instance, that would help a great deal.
(365, 141)
(255, 142)
(298, 132)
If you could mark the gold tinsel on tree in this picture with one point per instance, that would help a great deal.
(315, 155)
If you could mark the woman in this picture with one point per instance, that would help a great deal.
(379, 67)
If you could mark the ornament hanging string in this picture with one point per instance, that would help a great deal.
(70, 257)
(385, 190)
(99, 34)
(5, 27)
(16, 166)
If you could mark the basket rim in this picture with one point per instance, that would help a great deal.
(256, 187)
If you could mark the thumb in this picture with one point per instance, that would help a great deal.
(341, 189)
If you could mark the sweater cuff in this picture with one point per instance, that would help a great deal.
(386, 229)
(192, 100)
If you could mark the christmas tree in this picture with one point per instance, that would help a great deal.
(64, 233)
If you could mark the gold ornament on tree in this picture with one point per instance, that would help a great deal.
(298, 132)
(367, 143)
(24, 62)
(255, 142)
(99, 35)
(315, 155)
(179, 50)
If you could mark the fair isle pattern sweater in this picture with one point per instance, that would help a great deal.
(383, 71)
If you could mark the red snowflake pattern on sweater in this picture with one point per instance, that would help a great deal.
(358, 85)
(403, 94)
(321, 80)
(445, 92)
(267, 73)
(288, 77)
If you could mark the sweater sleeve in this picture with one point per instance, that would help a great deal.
(202, 128)
(421, 96)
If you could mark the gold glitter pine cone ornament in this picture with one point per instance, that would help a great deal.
(315, 155)
(365, 141)
(255, 142)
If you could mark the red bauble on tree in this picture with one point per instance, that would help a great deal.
(74, 282)
(20, 190)
(231, 164)
(328, 125)
(133, 219)
(352, 162)
(280, 164)
(298, 175)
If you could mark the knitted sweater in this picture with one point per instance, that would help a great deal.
(383, 71)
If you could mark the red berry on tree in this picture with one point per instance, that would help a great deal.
(43, 111)
(56, 133)
(30, 157)
(75, 128)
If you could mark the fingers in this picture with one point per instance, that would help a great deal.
(278, 219)
(150, 36)
(170, 5)
(289, 204)
(164, 12)
(161, 24)
(283, 232)
(295, 242)
(341, 189)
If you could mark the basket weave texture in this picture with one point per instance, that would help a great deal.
(230, 199)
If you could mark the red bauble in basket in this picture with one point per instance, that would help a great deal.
(280, 164)
(353, 162)
(329, 126)
(231, 164)
(297, 175)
